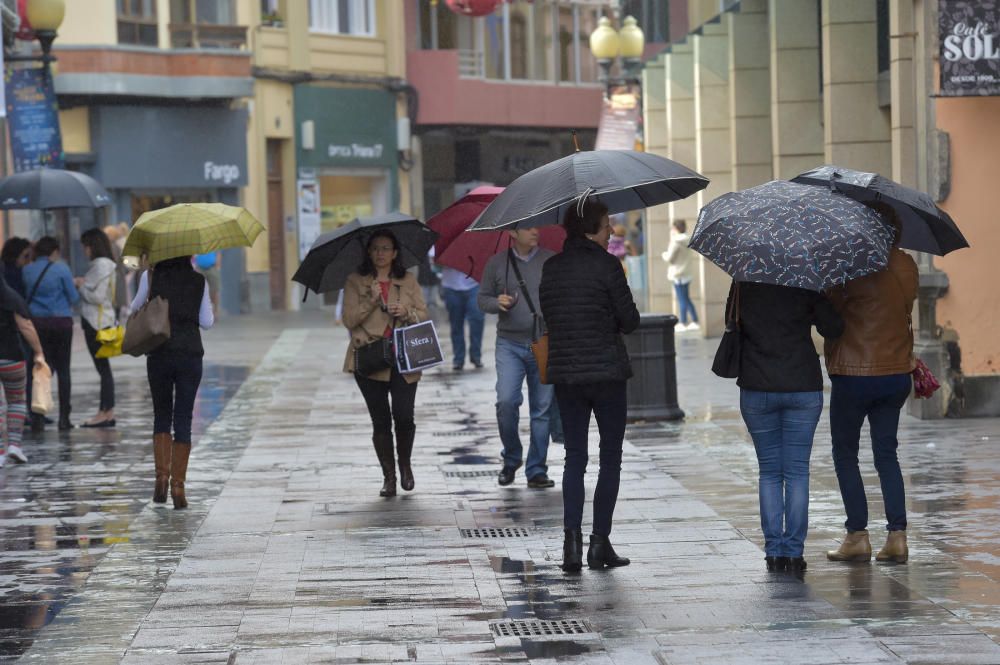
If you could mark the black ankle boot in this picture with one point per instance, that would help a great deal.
(573, 550)
(601, 554)
(796, 564)
(776, 564)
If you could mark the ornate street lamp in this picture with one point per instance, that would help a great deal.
(607, 44)
(633, 43)
(45, 17)
(604, 45)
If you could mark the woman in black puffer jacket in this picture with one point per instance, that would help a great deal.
(587, 305)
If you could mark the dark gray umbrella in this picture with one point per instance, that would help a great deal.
(337, 254)
(926, 228)
(621, 179)
(792, 235)
(43, 189)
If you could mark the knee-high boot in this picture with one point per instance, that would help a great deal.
(178, 472)
(387, 460)
(161, 458)
(404, 447)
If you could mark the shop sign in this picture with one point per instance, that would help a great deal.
(356, 150)
(352, 127)
(970, 48)
(309, 214)
(225, 174)
(33, 115)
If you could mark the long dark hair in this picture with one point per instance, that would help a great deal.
(367, 267)
(13, 248)
(579, 226)
(97, 241)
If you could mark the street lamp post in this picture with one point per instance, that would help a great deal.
(607, 44)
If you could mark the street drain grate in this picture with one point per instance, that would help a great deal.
(496, 532)
(483, 473)
(538, 627)
(464, 432)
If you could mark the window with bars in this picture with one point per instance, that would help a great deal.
(343, 17)
(137, 22)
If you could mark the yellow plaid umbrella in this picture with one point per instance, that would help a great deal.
(186, 229)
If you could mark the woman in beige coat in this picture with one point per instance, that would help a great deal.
(381, 296)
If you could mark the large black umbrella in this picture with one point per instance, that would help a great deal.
(621, 179)
(792, 235)
(337, 254)
(926, 228)
(43, 189)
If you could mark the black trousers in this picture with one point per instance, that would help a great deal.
(377, 394)
(607, 401)
(102, 365)
(173, 382)
(56, 335)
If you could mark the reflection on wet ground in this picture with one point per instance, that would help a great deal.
(288, 554)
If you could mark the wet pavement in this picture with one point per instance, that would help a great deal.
(288, 555)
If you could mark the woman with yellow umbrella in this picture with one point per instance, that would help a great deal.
(167, 239)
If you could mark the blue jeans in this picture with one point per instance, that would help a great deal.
(515, 363)
(462, 307)
(878, 398)
(782, 426)
(682, 293)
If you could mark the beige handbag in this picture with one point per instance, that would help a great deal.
(41, 389)
(148, 328)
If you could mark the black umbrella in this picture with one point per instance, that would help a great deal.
(42, 189)
(792, 235)
(926, 228)
(337, 254)
(621, 179)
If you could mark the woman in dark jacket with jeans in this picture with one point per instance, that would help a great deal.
(174, 369)
(781, 398)
(587, 305)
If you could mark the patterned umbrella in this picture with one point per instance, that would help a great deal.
(186, 229)
(792, 235)
(926, 228)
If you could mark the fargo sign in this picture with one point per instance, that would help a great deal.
(970, 48)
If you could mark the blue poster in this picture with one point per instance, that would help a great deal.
(33, 119)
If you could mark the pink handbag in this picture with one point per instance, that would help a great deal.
(924, 382)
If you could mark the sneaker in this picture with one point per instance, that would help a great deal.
(15, 453)
(693, 326)
(681, 327)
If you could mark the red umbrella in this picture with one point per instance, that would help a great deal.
(469, 252)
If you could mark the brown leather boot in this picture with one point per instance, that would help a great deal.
(387, 460)
(895, 548)
(161, 458)
(856, 547)
(404, 446)
(178, 472)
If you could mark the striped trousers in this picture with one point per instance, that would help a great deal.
(14, 408)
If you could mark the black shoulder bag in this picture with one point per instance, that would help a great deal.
(727, 357)
(375, 356)
(539, 339)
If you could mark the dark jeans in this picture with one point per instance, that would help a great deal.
(102, 365)
(173, 381)
(56, 336)
(606, 400)
(685, 308)
(377, 393)
(879, 399)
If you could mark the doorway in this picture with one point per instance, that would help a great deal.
(276, 226)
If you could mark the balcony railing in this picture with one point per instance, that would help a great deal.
(208, 36)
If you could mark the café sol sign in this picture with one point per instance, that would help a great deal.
(970, 47)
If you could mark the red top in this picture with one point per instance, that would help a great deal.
(385, 299)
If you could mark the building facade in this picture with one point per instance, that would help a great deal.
(765, 89)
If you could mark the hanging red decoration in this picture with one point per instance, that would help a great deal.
(473, 7)
(24, 29)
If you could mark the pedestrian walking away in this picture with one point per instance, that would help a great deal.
(781, 398)
(51, 296)
(869, 369)
(460, 293)
(15, 324)
(174, 368)
(380, 296)
(587, 306)
(97, 293)
(680, 271)
(510, 289)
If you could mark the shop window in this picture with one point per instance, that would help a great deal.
(205, 24)
(343, 17)
(882, 30)
(137, 22)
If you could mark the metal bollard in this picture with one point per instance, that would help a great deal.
(652, 390)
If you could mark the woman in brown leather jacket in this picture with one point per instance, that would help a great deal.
(869, 367)
(381, 296)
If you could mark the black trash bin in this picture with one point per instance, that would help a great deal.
(652, 390)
